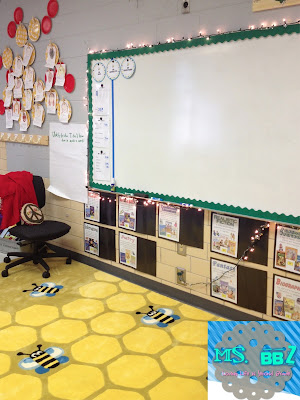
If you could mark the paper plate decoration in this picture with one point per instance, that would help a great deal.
(27, 100)
(18, 66)
(7, 58)
(64, 111)
(52, 8)
(38, 115)
(18, 15)
(34, 29)
(51, 55)
(29, 77)
(32, 51)
(39, 90)
(21, 35)
(11, 29)
(24, 120)
(51, 100)
(2, 108)
(69, 83)
(46, 25)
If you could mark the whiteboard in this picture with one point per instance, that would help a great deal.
(217, 123)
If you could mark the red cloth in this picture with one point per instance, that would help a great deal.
(16, 189)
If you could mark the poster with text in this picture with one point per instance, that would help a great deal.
(169, 222)
(127, 213)
(92, 207)
(91, 239)
(224, 235)
(287, 250)
(260, 5)
(224, 280)
(286, 298)
(101, 165)
(128, 250)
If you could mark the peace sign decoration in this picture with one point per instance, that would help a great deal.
(31, 214)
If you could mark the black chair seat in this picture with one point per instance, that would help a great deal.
(48, 230)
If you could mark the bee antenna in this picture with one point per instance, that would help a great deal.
(151, 307)
(34, 284)
(138, 312)
(22, 354)
(39, 346)
(30, 290)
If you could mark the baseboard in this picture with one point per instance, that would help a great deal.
(177, 294)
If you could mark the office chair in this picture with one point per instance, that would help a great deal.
(38, 235)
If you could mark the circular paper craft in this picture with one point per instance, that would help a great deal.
(26, 71)
(21, 35)
(46, 25)
(27, 93)
(48, 50)
(48, 96)
(28, 117)
(34, 29)
(11, 29)
(33, 112)
(32, 57)
(31, 214)
(52, 8)
(128, 67)
(54, 77)
(4, 96)
(39, 84)
(69, 83)
(99, 72)
(113, 69)
(18, 15)
(18, 60)
(59, 106)
(7, 58)
(2, 108)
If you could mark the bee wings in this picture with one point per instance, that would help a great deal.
(28, 363)
(55, 352)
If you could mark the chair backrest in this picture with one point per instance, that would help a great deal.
(39, 188)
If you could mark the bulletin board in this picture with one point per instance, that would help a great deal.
(211, 122)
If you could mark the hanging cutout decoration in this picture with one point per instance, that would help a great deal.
(29, 77)
(34, 29)
(38, 115)
(27, 100)
(28, 54)
(39, 90)
(51, 101)
(52, 55)
(52, 8)
(64, 111)
(18, 66)
(21, 35)
(11, 29)
(46, 25)
(24, 121)
(7, 58)
(69, 83)
(18, 15)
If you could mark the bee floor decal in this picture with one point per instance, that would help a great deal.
(48, 289)
(42, 361)
(161, 317)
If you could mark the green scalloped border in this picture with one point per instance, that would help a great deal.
(221, 38)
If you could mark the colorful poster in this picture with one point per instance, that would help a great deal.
(127, 213)
(92, 207)
(169, 222)
(91, 239)
(287, 249)
(128, 250)
(224, 235)
(224, 280)
(286, 298)
(260, 5)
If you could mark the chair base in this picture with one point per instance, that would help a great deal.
(37, 256)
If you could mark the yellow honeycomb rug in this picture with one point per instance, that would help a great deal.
(79, 337)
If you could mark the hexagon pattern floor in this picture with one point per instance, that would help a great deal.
(97, 345)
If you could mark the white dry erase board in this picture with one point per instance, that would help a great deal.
(216, 125)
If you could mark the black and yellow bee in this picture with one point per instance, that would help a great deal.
(161, 317)
(48, 289)
(42, 361)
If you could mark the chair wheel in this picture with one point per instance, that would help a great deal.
(7, 260)
(46, 274)
(4, 273)
(69, 260)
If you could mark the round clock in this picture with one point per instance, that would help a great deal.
(99, 72)
(128, 67)
(113, 69)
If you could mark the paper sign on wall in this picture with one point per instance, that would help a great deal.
(286, 301)
(287, 252)
(128, 250)
(101, 165)
(92, 207)
(224, 235)
(169, 222)
(91, 239)
(127, 213)
(224, 286)
(68, 161)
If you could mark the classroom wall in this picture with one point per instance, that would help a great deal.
(111, 24)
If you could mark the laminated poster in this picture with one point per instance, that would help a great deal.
(127, 213)
(169, 222)
(128, 250)
(224, 235)
(92, 207)
(91, 239)
(286, 299)
(287, 251)
(224, 288)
